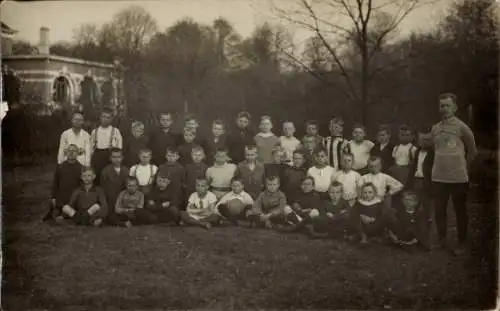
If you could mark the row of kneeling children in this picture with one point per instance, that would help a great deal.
(321, 200)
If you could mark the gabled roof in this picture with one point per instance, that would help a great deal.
(6, 29)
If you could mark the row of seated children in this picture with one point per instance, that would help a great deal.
(158, 199)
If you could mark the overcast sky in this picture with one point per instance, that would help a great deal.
(63, 16)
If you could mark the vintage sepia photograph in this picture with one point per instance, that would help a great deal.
(249, 154)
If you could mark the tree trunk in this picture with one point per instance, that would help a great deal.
(364, 80)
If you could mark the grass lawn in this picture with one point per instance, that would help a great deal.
(74, 268)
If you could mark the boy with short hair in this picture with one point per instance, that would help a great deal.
(277, 167)
(294, 175)
(408, 224)
(102, 139)
(87, 205)
(419, 178)
(144, 172)
(298, 213)
(350, 179)
(129, 207)
(114, 179)
(251, 172)
(332, 218)
(403, 154)
(234, 205)
(312, 129)
(335, 144)
(322, 174)
(220, 174)
(368, 215)
(360, 148)
(174, 171)
(383, 147)
(186, 146)
(289, 142)
(217, 141)
(240, 137)
(269, 207)
(266, 140)
(309, 147)
(77, 136)
(66, 180)
(386, 185)
(201, 210)
(195, 170)
(191, 125)
(134, 143)
(162, 202)
(162, 138)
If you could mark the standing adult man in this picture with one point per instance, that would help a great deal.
(455, 150)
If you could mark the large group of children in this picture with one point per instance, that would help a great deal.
(324, 186)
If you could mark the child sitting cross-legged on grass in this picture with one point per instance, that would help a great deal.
(129, 208)
(332, 218)
(269, 207)
(200, 210)
(235, 204)
(163, 201)
(409, 224)
(87, 205)
(368, 215)
(302, 204)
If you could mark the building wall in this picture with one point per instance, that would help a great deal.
(39, 73)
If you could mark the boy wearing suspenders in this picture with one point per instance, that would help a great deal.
(103, 139)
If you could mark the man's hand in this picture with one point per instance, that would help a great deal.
(329, 215)
(165, 204)
(151, 202)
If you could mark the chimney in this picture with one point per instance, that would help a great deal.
(44, 45)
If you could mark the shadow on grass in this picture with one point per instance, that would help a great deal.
(76, 268)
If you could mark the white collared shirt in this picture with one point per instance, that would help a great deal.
(351, 182)
(106, 137)
(81, 140)
(322, 177)
(144, 173)
(403, 154)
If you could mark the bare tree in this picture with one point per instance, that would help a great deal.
(341, 25)
(129, 32)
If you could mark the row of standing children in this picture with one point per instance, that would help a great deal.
(294, 160)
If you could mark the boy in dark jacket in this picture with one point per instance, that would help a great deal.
(294, 175)
(87, 205)
(240, 137)
(162, 138)
(114, 180)
(66, 179)
(408, 223)
(331, 218)
(419, 177)
(383, 148)
(163, 202)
